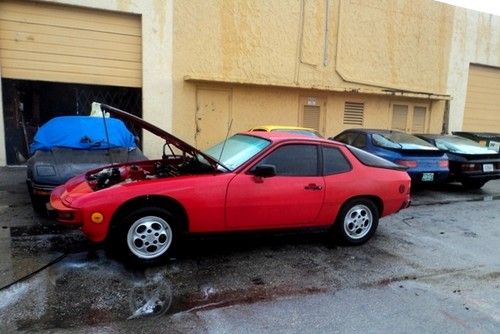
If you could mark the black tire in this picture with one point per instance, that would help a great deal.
(472, 184)
(357, 222)
(146, 236)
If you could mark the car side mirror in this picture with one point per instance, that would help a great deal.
(264, 170)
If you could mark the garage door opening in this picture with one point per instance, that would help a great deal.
(29, 104)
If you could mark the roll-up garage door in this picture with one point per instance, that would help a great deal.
(59, 43)
(482, 105)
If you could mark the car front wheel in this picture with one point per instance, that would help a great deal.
(357, 221)
(147, 235)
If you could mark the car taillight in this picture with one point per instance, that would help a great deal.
(407, 163)
(443, 163)
(471, 167)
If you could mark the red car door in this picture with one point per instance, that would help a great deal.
(293, 197)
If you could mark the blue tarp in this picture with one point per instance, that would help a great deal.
(82, 132)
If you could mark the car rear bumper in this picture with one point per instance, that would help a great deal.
(426, 178)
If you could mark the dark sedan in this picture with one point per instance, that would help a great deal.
(470, 163)
(489, 139)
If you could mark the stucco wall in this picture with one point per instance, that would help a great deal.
(393, 43)
(396, 44)
(475, 39)
(294, 43)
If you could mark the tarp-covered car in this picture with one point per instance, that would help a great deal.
(251, 181)
(70, 145)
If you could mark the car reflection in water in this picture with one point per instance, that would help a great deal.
(104, 290)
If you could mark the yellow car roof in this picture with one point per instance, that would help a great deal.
(285, 128)
(279, 127)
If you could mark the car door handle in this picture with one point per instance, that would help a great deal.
(313, 186)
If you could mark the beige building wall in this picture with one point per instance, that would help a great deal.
(269, 54)
(476, 40)
(254, 62)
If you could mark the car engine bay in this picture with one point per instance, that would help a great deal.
(169, 166)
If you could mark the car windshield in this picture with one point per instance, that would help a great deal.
(462, 145)
(237, 150)
(401, 140)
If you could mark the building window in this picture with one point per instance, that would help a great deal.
(353, 113)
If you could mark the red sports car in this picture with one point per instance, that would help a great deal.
(251, 181)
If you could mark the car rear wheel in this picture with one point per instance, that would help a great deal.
(357, 221)
(147, 235)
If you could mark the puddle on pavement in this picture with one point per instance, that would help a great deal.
(79, 291)
(85, 291)
(26, 249)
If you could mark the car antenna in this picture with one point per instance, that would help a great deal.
(224, 144)
(103, 113)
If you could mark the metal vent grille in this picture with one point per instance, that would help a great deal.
(353, 113)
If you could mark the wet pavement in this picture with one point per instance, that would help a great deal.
(434, 267)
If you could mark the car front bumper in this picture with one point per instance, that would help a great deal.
(64, 214)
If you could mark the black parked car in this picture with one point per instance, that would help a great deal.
(70, 145)
(488, 139)
(470, 163)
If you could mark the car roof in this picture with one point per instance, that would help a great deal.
(277, 136)
(280, 127)
(481, 134)
(437, 135)
(363, 130)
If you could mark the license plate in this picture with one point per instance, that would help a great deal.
(494, 145)
(427, 177)
(488, 168)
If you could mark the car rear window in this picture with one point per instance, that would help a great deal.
(369, 159)
(396, 139)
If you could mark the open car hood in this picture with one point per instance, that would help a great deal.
(169, 138)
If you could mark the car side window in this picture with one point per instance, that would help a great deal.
(347, 137)
(334, 161)
(294, 160)
(360, 141)
(342, 138)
